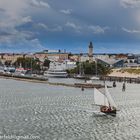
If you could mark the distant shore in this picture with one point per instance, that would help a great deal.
(23, 79)
(35, 80)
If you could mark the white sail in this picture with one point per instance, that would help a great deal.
(100, 99)
(110, 99)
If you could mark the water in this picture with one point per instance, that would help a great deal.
(65, 113)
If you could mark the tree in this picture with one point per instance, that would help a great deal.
(46, 63)
(28, 63)
(90, 68)
(7, 63)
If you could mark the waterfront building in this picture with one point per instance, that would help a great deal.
(113, 63)
(133, 60)
(53, 56)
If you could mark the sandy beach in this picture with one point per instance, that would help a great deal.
(118, 73)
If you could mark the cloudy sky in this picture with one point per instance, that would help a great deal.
(35, 25)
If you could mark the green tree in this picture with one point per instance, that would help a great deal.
(27, 63)
(46, 63)
(90, 68)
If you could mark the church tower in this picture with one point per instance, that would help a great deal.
(90, 52)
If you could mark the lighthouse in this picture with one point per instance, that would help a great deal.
(90, 52)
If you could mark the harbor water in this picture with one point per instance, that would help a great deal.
(46, 112)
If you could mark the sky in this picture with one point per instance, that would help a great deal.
(35, 25)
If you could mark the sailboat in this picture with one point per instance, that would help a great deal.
(81, 74)
(105, 101)
(95, 77)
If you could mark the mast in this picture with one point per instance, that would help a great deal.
(81, 70)
(96, 67)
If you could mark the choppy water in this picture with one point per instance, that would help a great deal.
(64, 113)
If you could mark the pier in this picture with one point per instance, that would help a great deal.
(86, 85)
(121, 79)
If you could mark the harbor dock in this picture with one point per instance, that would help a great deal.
(121, 79)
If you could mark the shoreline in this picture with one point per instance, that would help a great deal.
(75, 85)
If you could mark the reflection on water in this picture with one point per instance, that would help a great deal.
(56, 112)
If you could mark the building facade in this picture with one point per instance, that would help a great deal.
(10, 57)
(53, 56)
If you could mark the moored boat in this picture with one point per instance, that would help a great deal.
(58, 73)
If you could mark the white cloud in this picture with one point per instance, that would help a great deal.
(73, 26)
(130, 3)
(39, 3)
(35, 43)
(43, 25)
(20, 21)
(15, 8)
(82, 29)
(26, 19)
(98, 29)
(133, 31)
(67, 11)
(45, 4)
(13, 35)
(56, 28)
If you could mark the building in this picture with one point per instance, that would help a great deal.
(90, 52)
(10, 57)
(138, 59)
(113, 63)
(133, 60)
(53, 56)
(101, 56)
(87, 56)
(74, 57)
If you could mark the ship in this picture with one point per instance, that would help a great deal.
(58, 73)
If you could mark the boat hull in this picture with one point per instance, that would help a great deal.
(108, 111)
(78, 77)
(94, 78)
(112, 113)
(57, 76)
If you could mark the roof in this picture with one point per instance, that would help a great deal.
(111, 61)
(50, 53)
